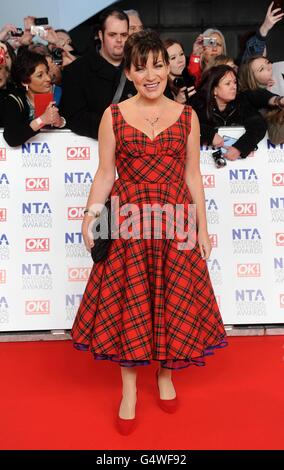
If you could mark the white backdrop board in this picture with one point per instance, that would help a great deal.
(44, 186)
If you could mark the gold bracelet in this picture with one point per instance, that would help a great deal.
(90, 212)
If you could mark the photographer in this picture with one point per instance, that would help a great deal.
(218, 104)
(30, 72)
(181, 84)
(206, 47)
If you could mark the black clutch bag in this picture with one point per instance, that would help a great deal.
(101, 246)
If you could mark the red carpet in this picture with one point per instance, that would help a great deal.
(53, 397)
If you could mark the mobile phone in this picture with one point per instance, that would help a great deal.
(228, 141)
(41, 21)
(38, 31)
(278, 4)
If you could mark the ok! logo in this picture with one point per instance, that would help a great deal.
(277, 179)
(213, 239)
(75, 213)
(2, 154)
(37, 307)
(248, 270)
(78, 274)
(208, 181)
(2, 276)
(3, 214)
(279, 239)
(78, 153)
(245, 209)
(37, 184)
(37, 244)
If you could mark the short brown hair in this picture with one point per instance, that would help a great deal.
(138, 46)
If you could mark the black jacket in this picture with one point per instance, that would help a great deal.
(259, 98)
(16, 119)
(237, 113)
(4, 92)
(89, 85)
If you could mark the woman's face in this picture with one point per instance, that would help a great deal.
(226, 90)
(177, 59)
(212, 51)
(40, 81)
(150, 80)
(262, 70)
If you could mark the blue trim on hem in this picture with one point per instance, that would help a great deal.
(174, 364)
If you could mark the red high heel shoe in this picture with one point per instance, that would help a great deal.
(169, 406)
(125, 426)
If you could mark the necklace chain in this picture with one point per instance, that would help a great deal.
(152, 122)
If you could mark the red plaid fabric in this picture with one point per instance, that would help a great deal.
(150, 300)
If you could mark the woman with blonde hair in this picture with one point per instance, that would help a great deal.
(206, 47)
(255, 79)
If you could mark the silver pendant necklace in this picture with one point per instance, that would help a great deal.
(152, 123)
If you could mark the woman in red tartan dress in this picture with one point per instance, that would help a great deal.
(149, 300)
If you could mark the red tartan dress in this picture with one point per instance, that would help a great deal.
(149, 300)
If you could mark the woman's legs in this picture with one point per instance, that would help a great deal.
(128, 402)
(167, 390)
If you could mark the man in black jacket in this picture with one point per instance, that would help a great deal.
(90, 82)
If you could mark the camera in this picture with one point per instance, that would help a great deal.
(185, 80)
(218, 158)
(210, 42)
(18, 33)
(41, 21)
(57, 56)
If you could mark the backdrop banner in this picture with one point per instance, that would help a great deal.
(44, 185)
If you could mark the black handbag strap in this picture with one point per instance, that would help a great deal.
(119, 89)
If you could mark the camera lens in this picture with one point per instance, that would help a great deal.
(219, 160)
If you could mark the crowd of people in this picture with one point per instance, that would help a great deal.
(223, 91)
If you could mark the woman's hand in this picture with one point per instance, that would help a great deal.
(6, 30)
(204, 243)
(273, 15)
(218, 141)
(197, 47)
(59, 122)
(51, 114)
(68, 58)
(181, 96)
(232, 153)
(87, 232)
